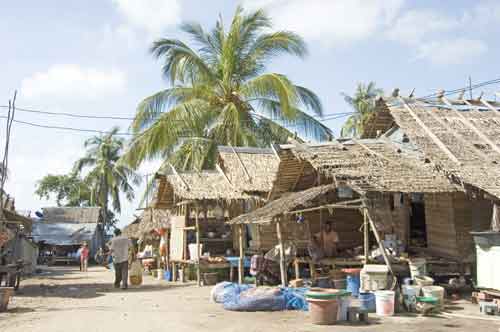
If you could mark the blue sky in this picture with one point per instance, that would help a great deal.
(90, 57)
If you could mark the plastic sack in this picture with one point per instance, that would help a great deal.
(295, 299)
(225, 290)
(257, 299)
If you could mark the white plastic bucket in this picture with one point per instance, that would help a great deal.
(410, 293)
(434, 291)
(418, 267)
(384, 301)
(193, 251)
(344, 303)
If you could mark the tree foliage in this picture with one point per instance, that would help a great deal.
(220, 93)
(66, 189)
(106, 177)
(363, 104)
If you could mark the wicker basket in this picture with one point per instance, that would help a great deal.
(210, 279)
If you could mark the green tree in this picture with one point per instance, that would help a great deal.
(106, 177)
(221, 94)
(363, 103)
(68, 190)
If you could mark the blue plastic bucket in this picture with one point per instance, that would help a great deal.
(167, 275)
(367, 302)
(353, 283)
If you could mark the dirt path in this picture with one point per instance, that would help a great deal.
(65, 299)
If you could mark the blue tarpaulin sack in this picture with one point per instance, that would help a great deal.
(256, 299)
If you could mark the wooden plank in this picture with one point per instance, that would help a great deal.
(240, 260)
(282, 254)
(303, 166)
(471, 126)
(366, 242)
(429, 132)
(198, 268)
(275, 152)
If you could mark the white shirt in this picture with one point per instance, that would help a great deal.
(119, 248)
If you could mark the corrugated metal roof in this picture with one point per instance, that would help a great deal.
(63, 233)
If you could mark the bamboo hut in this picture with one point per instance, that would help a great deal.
(392, 183)
(459, 139)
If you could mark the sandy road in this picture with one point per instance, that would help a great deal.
(66, 300)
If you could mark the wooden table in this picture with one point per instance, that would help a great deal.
(204, 265)
(343, 262)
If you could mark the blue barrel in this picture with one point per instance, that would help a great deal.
(367, 302)
(353, 284)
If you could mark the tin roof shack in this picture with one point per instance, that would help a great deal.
(65, 229)
(460, 139)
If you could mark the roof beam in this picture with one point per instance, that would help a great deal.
(241, 163)
(375, 153)
(471, 126)
(275, 152)
(179, 176)
(221, 171)
(429, 133)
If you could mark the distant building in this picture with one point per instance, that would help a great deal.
(65, 229)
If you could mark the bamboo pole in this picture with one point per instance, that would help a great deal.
(366, 229)
(240, 260)
(198, 249)
(282, 254)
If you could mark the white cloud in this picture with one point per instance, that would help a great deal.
(455, 51)
(331, 22)
(415, 25)
(73, 81)
(152, 16)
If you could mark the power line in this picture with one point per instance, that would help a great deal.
(65, 128)
(469, 87)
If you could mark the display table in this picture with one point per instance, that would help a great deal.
(234, 261)
(204, 265)
(333, 262)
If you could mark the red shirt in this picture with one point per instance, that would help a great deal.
(84, 254)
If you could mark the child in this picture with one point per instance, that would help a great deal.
(84, 258)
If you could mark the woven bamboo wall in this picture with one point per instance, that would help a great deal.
(440, 224)
(470, 215)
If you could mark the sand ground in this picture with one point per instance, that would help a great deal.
(64, 299)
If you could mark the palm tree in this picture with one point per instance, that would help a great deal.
(221, 94)
(363, 103)
(107, 177)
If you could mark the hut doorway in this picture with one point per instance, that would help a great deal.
(418, 227)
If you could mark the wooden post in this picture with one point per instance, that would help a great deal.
(241, 268)
(366, 230)
(282, 253)
(198, 249)
(379, 241)
(297, 268)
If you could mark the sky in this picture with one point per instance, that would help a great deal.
(91, 58)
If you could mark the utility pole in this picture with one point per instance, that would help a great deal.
(470, 87)
(5, 163)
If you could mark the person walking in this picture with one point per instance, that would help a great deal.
(119, 249)
(84, 258)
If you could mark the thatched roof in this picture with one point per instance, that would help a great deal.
(461, 138)
(150, 220)
(71, 214)
(195, 186)
(371, 165)
(250, 169)
(287, 203)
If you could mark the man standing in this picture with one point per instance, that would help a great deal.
(328, 240)
(119, 250)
